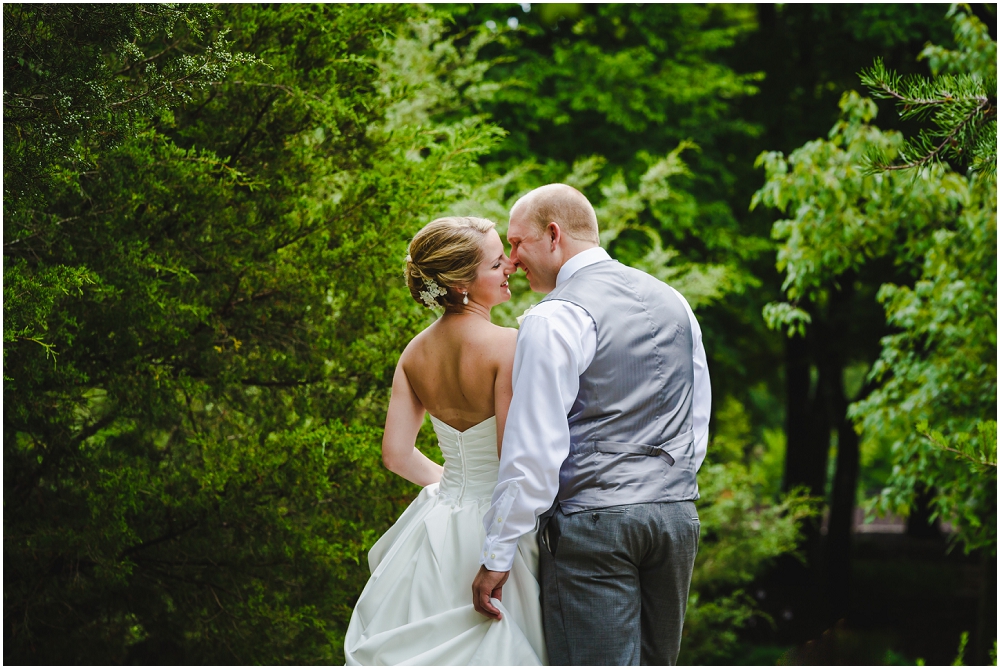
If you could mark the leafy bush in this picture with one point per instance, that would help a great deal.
(201, 322)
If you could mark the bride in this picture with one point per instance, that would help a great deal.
(416, 608)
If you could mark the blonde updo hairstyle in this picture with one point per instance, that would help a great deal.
(447, 251)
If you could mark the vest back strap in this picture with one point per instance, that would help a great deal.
(659, 450)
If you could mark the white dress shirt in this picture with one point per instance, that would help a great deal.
(556, 343)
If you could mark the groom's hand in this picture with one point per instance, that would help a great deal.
(488, 584)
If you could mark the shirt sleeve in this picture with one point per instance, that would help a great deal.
(701, 402)
(555, 345)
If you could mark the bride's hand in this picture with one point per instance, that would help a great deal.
(488, 584)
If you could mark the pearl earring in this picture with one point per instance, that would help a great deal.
(465, 297)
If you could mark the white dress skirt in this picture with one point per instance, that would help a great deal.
(417, 606)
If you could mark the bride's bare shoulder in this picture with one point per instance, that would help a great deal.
(486, 339)
(418, 345)
(505, 334)
(502, 340)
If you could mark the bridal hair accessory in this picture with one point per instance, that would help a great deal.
(465, 297)
(433, 290)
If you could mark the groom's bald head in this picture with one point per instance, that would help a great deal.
(560, 204)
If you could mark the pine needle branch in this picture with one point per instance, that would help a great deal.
(960, 107)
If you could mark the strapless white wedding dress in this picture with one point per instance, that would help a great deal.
(417, 606)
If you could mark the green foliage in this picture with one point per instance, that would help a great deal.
(744, 526)
(941, 368)
(979, 449)
(712, 626)
(959, 660)
(975, 51)
(937, 367)
(438, 76)
(79, 73)
(640, 70)
(29, 300)
(742, 532)
(961, 106)
(195, 478)
(783, 314)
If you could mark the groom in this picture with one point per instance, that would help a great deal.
(606, 431)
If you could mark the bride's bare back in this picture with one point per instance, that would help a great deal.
(453, 365)
(459, 371)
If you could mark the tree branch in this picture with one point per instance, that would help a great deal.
(930, 437)
(146, 60)
(159, 540)
(934, 153)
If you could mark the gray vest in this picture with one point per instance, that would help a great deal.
(630, 428)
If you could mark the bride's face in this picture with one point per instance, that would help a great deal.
(490, 287)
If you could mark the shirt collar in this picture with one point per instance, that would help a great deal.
(579, 261)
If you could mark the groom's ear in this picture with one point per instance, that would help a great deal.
(554, 234)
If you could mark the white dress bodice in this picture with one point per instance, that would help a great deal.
(471, 463)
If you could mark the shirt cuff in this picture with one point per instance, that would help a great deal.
(495, 551)
(498, 555)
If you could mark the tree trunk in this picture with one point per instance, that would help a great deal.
(986, 624)
(807, 445)
(845, 482)
(806, 428)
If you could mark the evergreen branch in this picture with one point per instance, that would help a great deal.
(149, 59)
(239, 82)
(158, 540)
(960, 107)
(948, 140)
(280, 384)
(50, 349)
(56, 224)
(164, 86)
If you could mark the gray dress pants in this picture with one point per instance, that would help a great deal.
(615, 582)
